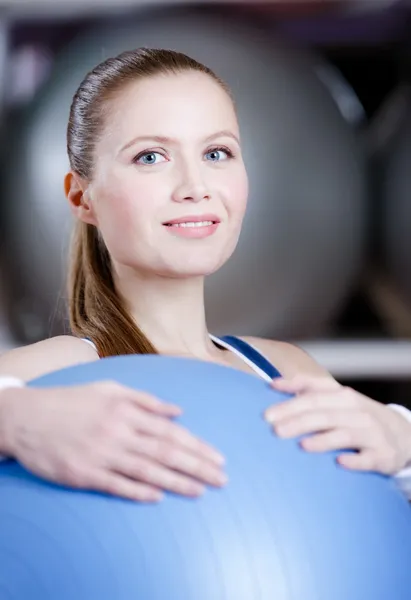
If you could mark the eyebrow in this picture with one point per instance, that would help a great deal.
(166, 140)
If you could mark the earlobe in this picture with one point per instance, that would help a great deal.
(75, 189)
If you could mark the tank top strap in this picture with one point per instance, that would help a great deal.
(252, 355)
(89, 341)
(248, 352)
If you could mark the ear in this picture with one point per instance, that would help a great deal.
(75, 188)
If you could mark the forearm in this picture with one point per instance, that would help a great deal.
(403, 478)
(8, 390)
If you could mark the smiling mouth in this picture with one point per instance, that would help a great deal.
(192, 224)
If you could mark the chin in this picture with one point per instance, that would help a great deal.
(195, 266)
(193, 271)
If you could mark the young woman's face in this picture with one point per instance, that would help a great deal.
(169, 189)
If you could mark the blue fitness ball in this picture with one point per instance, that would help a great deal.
(289, 525)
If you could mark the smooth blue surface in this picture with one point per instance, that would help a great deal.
(289, 525)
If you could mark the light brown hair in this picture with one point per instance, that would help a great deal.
(96, 310)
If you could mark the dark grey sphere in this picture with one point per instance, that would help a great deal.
(303, 239)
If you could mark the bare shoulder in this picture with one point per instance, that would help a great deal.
(34, 360)
(290, 360)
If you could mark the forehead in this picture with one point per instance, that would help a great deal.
(181, 106)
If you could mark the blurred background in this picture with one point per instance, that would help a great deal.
(324, 99)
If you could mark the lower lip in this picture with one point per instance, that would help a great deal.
(193, 232)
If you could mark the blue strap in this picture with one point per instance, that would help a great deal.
(253, 355)
(249, 352)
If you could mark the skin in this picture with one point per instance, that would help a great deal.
(171, 147)
(152, 267)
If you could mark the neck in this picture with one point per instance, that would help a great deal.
(170, 312)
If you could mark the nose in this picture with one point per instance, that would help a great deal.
(192, 188)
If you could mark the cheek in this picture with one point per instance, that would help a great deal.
(237, 193)
(124, 206)
(120, 222)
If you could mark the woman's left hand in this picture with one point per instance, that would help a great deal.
(339, 418)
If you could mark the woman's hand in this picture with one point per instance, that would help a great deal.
(338, 418)
(106, 437)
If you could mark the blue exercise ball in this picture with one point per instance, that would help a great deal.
(288, 526)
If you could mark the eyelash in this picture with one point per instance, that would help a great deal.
(230, 153)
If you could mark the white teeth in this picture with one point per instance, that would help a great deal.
(193, 224)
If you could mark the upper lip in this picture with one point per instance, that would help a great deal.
(193, 219)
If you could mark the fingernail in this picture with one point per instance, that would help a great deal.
(156, 496)
(195, 490)
(269, 416)
(282, 431)
(220, 479)
(217, 457)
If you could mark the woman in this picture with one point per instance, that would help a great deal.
(158, 187)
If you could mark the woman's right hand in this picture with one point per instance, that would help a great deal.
(109, 438)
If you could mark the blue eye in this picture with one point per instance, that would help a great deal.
(149, 158)
(218, 154)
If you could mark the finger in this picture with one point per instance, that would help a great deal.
(154, 405)
(315, 421)
(303, 384)
(138, 398)
(179, 459)
(302, 404)
(366, 460)
(116, 484)
(337, 439)
(156, 426)
(142, 469)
